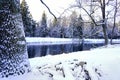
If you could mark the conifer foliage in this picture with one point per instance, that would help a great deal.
(13, 53)
(28, 22)
(42, 29)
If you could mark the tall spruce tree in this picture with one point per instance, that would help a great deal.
(41, 29)
(79, 27)
(27, 19)
(13, 52)
(55, 28)
(43, 25)
(72, 27)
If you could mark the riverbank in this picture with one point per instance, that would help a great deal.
(97, 64)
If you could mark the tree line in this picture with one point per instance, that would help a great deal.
(72, 26)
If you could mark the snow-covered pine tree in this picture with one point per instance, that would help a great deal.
(72, 26)
(27, 19)
(79, 27)
(55, 28)
(13, 52)
(43, 25)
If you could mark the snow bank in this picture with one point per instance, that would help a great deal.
(97, 64)
(47, 41)
(58, 41)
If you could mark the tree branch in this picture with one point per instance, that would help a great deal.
(48, 9)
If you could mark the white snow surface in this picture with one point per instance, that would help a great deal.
(49, 41)
(58, 41)
(97, 64)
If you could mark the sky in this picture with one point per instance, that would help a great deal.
(57, 7)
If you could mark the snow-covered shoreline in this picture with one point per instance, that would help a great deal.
(58, 41)
(97, 64)
(101, 64)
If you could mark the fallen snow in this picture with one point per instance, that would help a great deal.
(97, 64)
(58, 41)
(49, 41)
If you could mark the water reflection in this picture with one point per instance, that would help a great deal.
(43, 50)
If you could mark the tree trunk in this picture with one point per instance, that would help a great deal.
(105, 34)
(104, 23)
(114, 25)
(13, 51)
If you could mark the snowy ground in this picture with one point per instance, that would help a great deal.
(58, 41)
(97, 64)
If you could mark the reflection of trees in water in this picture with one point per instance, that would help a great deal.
(31, 50)
(38, 51)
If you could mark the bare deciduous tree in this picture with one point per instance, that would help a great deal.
(48, 9)
(101, 5)
(116, 6)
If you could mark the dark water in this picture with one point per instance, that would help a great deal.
(43, 50)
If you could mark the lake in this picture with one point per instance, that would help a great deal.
(43, 50)
(39, 46)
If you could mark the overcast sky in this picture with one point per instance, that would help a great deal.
(56, 6)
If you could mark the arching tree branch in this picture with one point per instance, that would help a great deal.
(48, 9)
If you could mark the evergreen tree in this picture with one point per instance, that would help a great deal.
(55, 29)
(27, 19)
(13, 52)
(72, 27)
(79, 27)
(64, 26)
(43, 27)
(42, 30)
(33, 33)
(76, 26)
